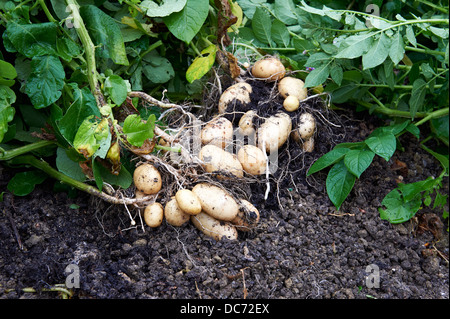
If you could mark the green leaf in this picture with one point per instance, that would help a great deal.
(167, 7)
(280, 34)
(105, 32)
(397, 49)
(410, 35)
(328, 159)
(7, 97)
(339, 183)
(409, 191)
(46, 81)
(383, 143)
(336, 73)
(186, 23)
(32, 40)
(357, 161)
(262, 25)
(285, 11)
(378, 52)
(158, 69)
(355, 46)
(317, 76)
(397, 209)
(317, 59)
(90, 136)
(201, 64)
(137, 131)
(102, 174)
(69, 167)
(417, 96)
(117, 89)
(7, 72)
(67, 48)
(83, 106)
(23, 183)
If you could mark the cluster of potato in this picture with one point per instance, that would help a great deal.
(210, 208)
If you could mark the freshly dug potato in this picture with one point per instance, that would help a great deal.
(218, 132)
(291, 103)
(246, 123)
(308, 145)
(147, 179)
(247, 217)
(174, 215)
(216, 159)
(306, 126)
(270, 69)
(252, 159)
(216, 202)
(188, 202)
(214, 228)
(153, 215)
(292, 86)
(274, 132)
(237, 92)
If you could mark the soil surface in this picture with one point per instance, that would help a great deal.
(302, 248)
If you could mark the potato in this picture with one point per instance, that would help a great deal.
(292, 86)
(247, 217)
(308, 145)
(154, 214)
(270, 69)
(274, 132)
(147, 179)
(291, 103)
(188, 202)
(214, 228)
(237, 92)
(246, 123)
(252, 159)
(216, 159)
(306, 126)
(216, 202)
(174, 215)
(218, 132)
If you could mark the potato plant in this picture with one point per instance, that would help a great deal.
(106, 97)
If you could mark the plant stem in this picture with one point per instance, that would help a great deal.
(433, 115)
(46, 168)
(89, 48)
(426, 51)
(397, 87)
(10, 154)
(46, 11)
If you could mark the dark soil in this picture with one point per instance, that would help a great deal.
(301, 249)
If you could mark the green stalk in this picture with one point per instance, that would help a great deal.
(433, 115)
(89, 49)
(10, 154)
(46, 168)
(46, 11)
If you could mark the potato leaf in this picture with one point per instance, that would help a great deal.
(262, 26)
(186, 23)
(378, 52)
(32, 39)
(46, 81)
(167, 7)
(23, 183)
(339, 183)
(105, 32)
(328, 159)
(137, 131)
(383, 143)
(357, 161)
(7, 97)
(116, 87)
(397, 209)
(201, 64)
